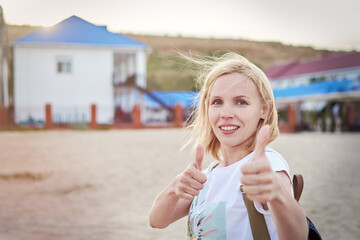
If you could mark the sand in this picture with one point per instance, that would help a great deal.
(100, 184)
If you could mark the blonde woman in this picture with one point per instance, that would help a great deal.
(235, 120)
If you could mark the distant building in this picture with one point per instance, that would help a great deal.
(330, 67)
(160, 105)
(72, 65)
(329, 86)
(4, 95)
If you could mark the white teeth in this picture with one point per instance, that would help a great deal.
(229, 128)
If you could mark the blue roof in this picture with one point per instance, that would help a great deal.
(76, 31)
(170, 98)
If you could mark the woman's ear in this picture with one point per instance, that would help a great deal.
(264, 111)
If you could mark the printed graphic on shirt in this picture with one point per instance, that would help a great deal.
(206, 221)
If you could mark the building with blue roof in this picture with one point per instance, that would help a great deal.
(72, 65)
(324, 93)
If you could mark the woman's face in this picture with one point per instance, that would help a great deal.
(234, 110)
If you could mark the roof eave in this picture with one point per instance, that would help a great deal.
(320, 97)
(81, 45)
(313, 73)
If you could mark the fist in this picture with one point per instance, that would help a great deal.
(189, 183)
(260, 182)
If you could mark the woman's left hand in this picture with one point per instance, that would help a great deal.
(260, 182)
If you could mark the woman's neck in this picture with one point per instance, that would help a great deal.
(233, 154)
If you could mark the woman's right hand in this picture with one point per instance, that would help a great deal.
(174, 201)
(189, 183)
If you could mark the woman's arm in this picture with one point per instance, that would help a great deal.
(168, 207)
(273, 189)
(174, 201)
(288, 216)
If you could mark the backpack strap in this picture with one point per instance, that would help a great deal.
(215, 165)
(298, 185)
(257, 221)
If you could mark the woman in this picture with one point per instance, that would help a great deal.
(234, 122)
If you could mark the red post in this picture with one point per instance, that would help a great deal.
(292, 117)
(179, 115)
(136, 116)
(350, 114)
(4, 117)
(48, 116)
(93, 123)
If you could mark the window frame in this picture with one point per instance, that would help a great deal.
(64, 65)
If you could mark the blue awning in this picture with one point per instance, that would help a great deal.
(319, 89)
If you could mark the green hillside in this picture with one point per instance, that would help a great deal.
(166, 70)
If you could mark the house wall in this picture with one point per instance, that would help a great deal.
(37, 82)
(141, 68)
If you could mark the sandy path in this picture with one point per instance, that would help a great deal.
(101, 184)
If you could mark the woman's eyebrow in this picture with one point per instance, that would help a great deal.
(241, 96)
(236, 97)
(215, 97)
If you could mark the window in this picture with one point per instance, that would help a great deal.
(64, 65)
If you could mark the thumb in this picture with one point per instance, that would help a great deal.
(261, 142)
(199, 156)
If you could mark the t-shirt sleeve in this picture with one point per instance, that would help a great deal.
(277, 162)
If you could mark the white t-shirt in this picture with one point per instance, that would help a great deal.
(219, 212)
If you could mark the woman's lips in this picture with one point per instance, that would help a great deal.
(228, 129)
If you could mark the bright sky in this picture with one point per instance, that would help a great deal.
(322, 24)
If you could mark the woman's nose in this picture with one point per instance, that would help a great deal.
(227, 112)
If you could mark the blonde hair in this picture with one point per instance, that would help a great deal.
(213, 68)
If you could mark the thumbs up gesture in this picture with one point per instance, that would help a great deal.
(260, 182)
(189, 183)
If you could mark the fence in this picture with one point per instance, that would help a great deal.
(92, 117)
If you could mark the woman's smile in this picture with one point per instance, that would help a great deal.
(228, 128)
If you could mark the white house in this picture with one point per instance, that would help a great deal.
(4, 96)
(72, 65)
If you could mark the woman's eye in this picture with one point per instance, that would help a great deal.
(216, 102)
(241, 102)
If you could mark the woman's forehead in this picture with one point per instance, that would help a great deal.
(234, 83)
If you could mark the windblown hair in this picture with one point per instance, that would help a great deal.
(212, 69)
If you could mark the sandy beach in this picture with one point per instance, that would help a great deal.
(99, 185)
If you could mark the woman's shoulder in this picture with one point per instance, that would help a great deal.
(273, 153)
(211, 167)
(277, 161)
